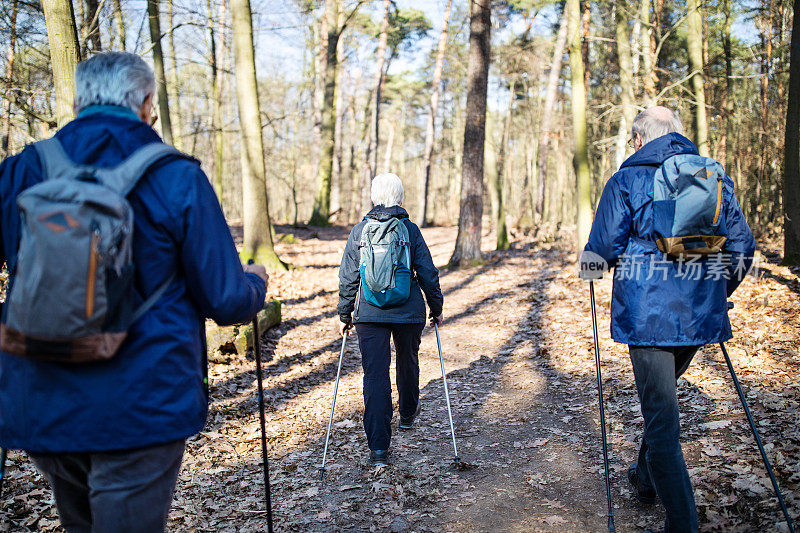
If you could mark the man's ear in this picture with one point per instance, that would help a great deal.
(146, 108)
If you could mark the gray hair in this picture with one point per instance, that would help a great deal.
(113, 78)
(655, 122)
(387, 190)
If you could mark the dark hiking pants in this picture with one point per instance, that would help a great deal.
(373, 340)
(113, 492)
(661, 464)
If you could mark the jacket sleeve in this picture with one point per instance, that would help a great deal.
(612, 223)
(214, 275)
(349, 277)
(426, 271)
(740, 243)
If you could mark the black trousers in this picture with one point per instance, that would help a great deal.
(373, 340)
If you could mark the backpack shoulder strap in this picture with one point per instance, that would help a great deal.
(55, 161)
(124, 177)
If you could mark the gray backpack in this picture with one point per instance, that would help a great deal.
(689, 207)
(385, 263)
(72, 297)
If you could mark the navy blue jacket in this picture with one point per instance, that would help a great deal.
(425, 278)
(152, 391)
(657, 301)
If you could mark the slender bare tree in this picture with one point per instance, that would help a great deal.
(430, 129)
(580, 161)
(258, 243)
(63, 38)
(694, 44)
(468, 242)
(791, 178)
(158, 63)
(547, 115)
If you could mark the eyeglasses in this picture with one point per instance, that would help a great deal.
(632, 142)
(153, 119)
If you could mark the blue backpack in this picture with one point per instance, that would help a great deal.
(385, 263)
(688, 202)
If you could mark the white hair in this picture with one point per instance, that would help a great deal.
(387, 190)
(655, 122)
(113, 78)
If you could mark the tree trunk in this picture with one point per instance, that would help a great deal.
(583, 218)
(468, 241)
(158, 64)
(93, 26)
(430, 129)
(791, 179)
(120, 24)
(7, 145)
(322, 202)
(257, 228)
(495, 162)
(216, 115)
(372, 147)
(63, 39)
(694, 44)
(625, 78)
(173, 81)
(547, 116)
(647, 37)
(338, 145)
(726, 103)
(764, 137)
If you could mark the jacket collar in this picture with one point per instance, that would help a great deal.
(383, 213)
(660, 149)
(108, 110)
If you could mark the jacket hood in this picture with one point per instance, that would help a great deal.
(660, 149)
(383, 213)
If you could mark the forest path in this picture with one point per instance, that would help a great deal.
(518, 352)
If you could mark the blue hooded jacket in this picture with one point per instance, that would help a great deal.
(657, 301)
(152, 392)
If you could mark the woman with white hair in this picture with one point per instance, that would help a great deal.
(376, 322)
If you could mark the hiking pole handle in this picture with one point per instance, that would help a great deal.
(757, 438)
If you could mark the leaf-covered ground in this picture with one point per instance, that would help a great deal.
(520, 368)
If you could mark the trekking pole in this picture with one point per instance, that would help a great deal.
(447, 395)
(262, 418)
(3, 456)
(602, 410)
(333, 404)
(757, 437)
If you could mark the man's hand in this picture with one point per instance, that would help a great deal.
(260, 271)
(437, 320)
(344, 326)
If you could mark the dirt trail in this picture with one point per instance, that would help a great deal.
(518, 351)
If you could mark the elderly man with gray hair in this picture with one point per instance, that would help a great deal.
(662, 308)
(380, 318)
(109, 434)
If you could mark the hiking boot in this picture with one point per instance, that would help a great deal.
(407, 423)
(643, 494)
(379, 457)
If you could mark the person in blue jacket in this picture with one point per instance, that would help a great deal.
(375, 326)
(663, 309)
(109, 436)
